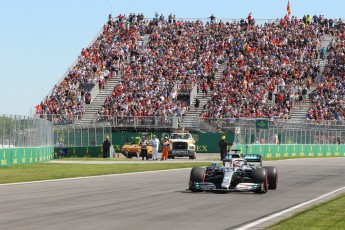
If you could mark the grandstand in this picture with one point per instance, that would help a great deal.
(148, 73)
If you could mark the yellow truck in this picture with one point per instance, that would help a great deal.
(182, 144)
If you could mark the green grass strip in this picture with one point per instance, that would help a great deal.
(326, 215)
(47, 171)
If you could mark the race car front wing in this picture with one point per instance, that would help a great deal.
(208, 186)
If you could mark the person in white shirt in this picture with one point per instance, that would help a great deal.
(155, 145)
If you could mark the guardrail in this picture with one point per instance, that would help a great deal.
(60, 119)
(143, 122)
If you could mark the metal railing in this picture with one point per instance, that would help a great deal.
(304, 132)
(23, 131)
(81, 135)
(246, 130)
(139, 122)
(185, 88)
(259, 21)
(60, 119)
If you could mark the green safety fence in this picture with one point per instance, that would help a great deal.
(17, 156)
(293, 150)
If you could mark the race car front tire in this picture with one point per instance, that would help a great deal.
(272, 175)
(260, 177)
(196, 175)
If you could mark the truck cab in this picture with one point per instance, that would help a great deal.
(182, 144)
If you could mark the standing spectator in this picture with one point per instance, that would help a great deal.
(275, 139)
(223, 145)
(250, 19)
(305, 94)
(204, 89)
(323, 53)
(300, 100)
(155, 145)
(170, 18)
(212, 19)
(338, 140)
(165, 151)
(143, 144)
(174, 95)
(106, 147)
(280, 99)
(197, 104)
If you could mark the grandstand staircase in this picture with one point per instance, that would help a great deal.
(90, 110)
(299, 114)
(190, 119)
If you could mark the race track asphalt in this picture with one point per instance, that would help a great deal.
(159, 200)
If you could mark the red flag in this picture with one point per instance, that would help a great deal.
(288, 8)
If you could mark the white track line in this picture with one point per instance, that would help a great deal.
(89, 177)
(260, 221)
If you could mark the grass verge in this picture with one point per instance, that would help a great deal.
(326, 215)
(44, 171)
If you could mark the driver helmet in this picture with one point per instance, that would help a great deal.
(238, 163)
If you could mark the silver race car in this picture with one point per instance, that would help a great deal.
(238, 173)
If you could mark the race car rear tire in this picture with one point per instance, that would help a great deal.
(196, 175)
(272, 175)
(260, 177)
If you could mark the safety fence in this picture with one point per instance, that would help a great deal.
(242, 131)
(22, 131)
(81, 135)
(264, 130)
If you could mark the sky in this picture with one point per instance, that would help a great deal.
(41, 39)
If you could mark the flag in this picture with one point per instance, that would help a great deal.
(288, 9)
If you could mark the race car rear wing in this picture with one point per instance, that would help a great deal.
(255, 159)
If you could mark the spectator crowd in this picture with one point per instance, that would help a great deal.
(328, 101)
(269, 69)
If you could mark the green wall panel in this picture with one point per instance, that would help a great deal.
(16, 156)
(274, 151)
(90, 151)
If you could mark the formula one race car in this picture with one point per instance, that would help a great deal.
(238, 173)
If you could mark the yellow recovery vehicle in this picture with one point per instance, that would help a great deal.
(133, 148)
